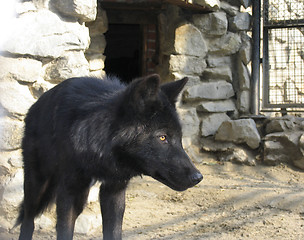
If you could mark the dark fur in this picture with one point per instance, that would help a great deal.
(85, 129)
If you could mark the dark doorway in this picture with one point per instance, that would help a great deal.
(124, 51)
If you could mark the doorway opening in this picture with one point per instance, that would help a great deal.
(124, 51)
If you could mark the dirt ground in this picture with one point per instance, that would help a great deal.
(232, 202)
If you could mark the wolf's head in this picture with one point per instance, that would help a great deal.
(149, 136)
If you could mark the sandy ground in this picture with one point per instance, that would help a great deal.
(232, 202)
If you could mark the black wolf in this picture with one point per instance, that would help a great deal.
(87, 129)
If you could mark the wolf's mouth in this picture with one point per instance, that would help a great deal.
(169, 183)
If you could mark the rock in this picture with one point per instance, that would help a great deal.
(187, 64)
(230, 10)
(274, 153)
(189, 41)
(244, 76)
(11, 134)
(210, 4)
(209, 91)
(218, 61)
(240, 22)
(238, 155)
(217, 106)
(71, 64)
(44, 34)
(218, 73)
(98, 44)
(211, 122)
(96, 61)
(212, 24)
(209, 145)
(228, 44)
(16, 106)
(100, 25)
(20, 69)
(246, 49)
(85, 10)
(40, 87)
(88, 221)
(243, 101)
(279, 146)
(246, 3)
(189, 120)
(239, 131)
(12, 191)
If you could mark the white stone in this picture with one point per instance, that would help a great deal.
(243, 101)
(244, 76)
(189, 120)
(211, 122)
(212, 24)
(228, 44)
(189, 41)
(210, 90)
(230, 10)
(45, 34)
(85, 10)
(100, 25)
(17, 106)
(96, 61)
(11, 133)
(217, 106)
(218, 61)
(218, 73)
(72, 64)
(187, 64)
(212, 4)
(20, 69)
(239, 131)
(13, 191)
(246, 49)
(240, 22)
(87, 222)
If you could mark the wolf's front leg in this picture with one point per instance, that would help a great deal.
(112, 203)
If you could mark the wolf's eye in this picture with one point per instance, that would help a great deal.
(163, 138)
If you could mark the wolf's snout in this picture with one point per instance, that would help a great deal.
(196, 178)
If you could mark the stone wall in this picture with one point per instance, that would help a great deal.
(52, 41)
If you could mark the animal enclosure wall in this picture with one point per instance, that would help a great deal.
(283, 55)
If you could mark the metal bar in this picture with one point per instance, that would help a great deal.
(255, 77)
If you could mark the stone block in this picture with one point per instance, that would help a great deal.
(85, 10)
(16, 106)
(45, 34)
(212, 24)
(187, 64)
(11, 134)
(239, 131)
(244, 76)
(189, 120)
(240, 22)
(217, 106)
(246, 49)
(98, 44)
(189, 41)
(210, 4)
(100, 25)
(72, 64)
(20, 69)
(229, 9)
(228, 44)
(96, 61)
(243, 101)
(211, 122)
(209, 91)
(218, 61)
(218, 73)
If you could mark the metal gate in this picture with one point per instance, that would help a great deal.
(283, 54)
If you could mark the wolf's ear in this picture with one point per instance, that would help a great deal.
(144, 90)
(173, 89)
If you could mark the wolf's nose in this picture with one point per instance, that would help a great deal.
(196, 177)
